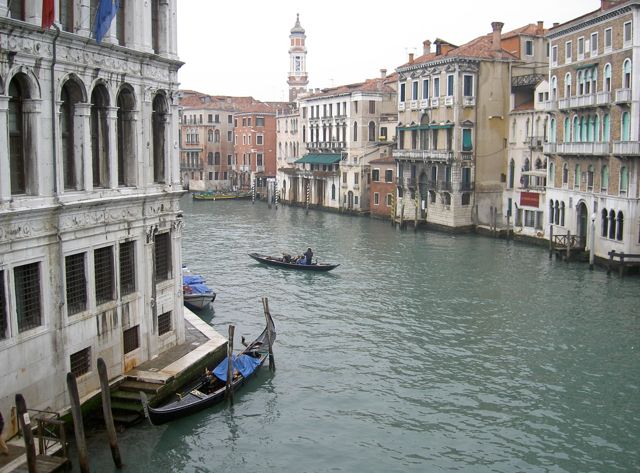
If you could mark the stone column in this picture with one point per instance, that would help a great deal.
(59, 176)
(163, 27)
(82, 146)
(82, 16)
(34, 158)
(33, 12)
(112, 153)
(5, 181)
(4, 9)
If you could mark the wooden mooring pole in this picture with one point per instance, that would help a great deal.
(78, 426)
(550, 241)
(267, 315)
(25, 425)
(568, 246)
(108, 414)
(229, 385)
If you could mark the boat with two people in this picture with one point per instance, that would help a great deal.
(209, 389)
(195, 292)
(287, 261)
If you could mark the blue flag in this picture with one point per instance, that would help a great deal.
(107, 9)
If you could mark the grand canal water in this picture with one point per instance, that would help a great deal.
(422, 352)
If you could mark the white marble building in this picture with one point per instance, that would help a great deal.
(90, 226)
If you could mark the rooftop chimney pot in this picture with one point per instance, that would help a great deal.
(383, 73)
(426, 46)
(410, 58)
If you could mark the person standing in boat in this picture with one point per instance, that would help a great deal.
(308, 255)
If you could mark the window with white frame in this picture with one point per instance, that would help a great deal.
(467, 85)
(554, 56)
(259, 139)
(528, 47)
(449, 85)
(414, 90)
(376, 198)
(401, 95)
(425, 89)
(436, 87)
(580, 48)
(608, 40)
(594, 44)
(568, 48)
(626, 28)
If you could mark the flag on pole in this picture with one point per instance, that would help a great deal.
(48, 13)
(107, 9)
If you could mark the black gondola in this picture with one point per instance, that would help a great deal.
(284, 262)
(207, 391)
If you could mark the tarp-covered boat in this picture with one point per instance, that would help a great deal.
(221, 195)
(209, 389)
(285, 262)
(195, 292)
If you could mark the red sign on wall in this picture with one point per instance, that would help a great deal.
(529, 199)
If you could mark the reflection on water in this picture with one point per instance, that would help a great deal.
(421, 352)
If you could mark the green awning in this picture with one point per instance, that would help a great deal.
(440, 127)
(586, 66)
(327, 158)
(414, 127)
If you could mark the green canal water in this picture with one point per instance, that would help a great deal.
(422, 352)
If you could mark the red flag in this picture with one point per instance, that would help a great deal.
(48, 13)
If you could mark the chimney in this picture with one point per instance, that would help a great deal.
(410, 58)
(555, 23)
(497, 32)
(540, 30)
(438, 47)
(606, 4)
(383, 73)
(426, 46)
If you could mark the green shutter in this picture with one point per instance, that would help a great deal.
(466, 140)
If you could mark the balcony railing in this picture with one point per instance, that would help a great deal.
(536, 142)
(468, 101)
(413, 104)
(401, 107)
(550, 105)
(423, 155)
(564, 104)
(623, 95)
(626, 148)
(448, 100)
(466, 186)
(259, 168)
(424, 103)
(435, 101)
(589, 148)
(603, 98)
(445, 186)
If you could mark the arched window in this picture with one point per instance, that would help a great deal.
(606, 86)
(355, 131)
(216, 158)
(592, 129)
(588, 77)
(624, 180)
(626, 74)
(606, 128)
(576, 177)
(158, 125)
(71, 142)
(372, 131)
(567, 130)
(524, 179)
(551, 211)
(576, 129)
(612, 224)
(210, 135)
(567, 85)
(210, 158)
(126, 130)
(620, 229)
(100, 136)
(604, 223)
(17, 155)
(565, 175)
(590, 177)
(556, 213)
(512, 173)
(552, 174)
(583, 128)
(604, 178)
(333, 192)
(580, 83)
(552, 131)
(216, 136)
(596, 127)
(554, 88)
(562, 213)
(625, 132)
(304, 133)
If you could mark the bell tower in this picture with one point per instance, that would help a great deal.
(298, 79)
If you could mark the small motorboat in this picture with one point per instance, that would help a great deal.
(285, 261)
(208, 390)
(195, 292)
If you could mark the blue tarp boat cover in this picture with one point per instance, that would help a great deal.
(192, 279)
(200, 289)
(244, 364)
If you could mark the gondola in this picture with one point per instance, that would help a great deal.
(283, 263)
(208, 390)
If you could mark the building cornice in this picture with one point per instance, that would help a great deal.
(577, 25)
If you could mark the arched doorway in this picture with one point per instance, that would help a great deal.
(581, 224)
(350, 200)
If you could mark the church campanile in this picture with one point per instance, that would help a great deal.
(298, 79)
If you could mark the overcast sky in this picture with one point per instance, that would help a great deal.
(242, 48)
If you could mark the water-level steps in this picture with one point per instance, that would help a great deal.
(126, 404)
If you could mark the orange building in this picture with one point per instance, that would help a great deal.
(383, 187)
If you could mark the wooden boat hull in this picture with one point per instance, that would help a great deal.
(274, 261)
(214, 196)
(198, 301)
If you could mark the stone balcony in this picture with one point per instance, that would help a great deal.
(423, 155)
